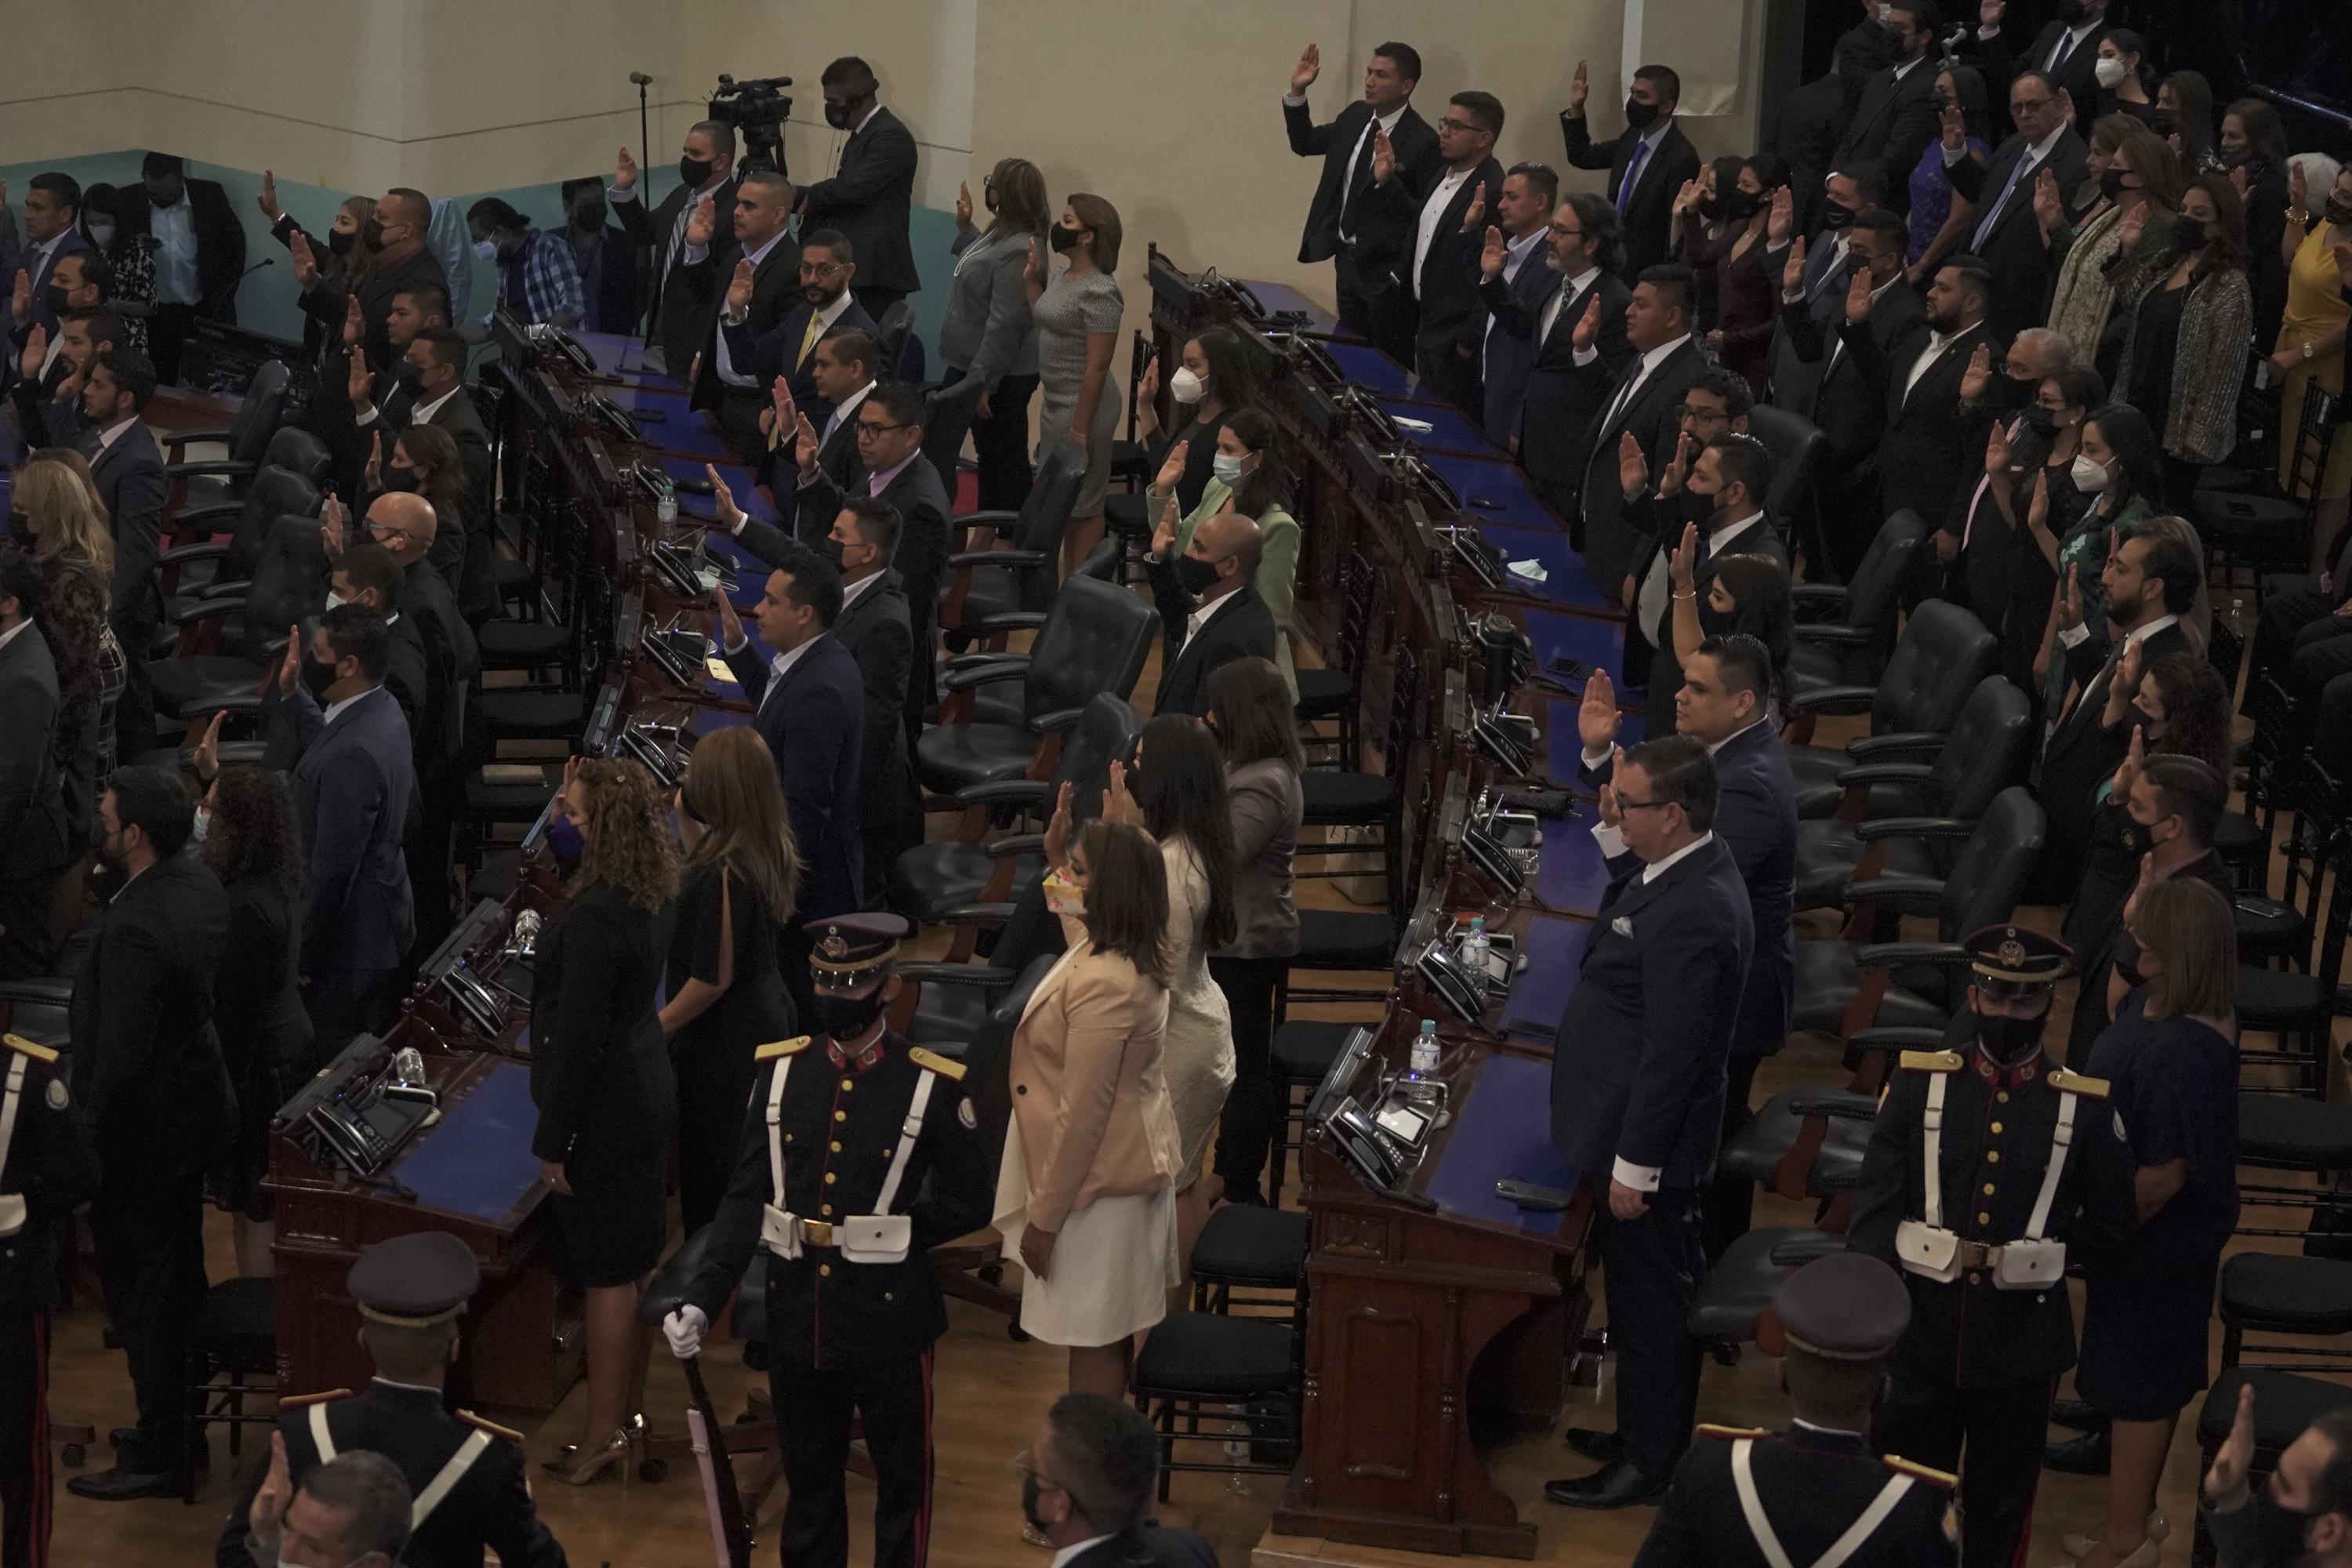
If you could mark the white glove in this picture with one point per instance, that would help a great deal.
(684, 1329)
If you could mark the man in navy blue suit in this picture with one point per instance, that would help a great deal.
(788, 349)
(808, 702)
(1514, 255)
(1637, 1092)
(355, 792)
(1725, 703)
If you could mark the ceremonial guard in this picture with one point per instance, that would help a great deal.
(1813, 1494)
(1988, 1164)
(48, 1168)
(465, 1474)
(859, 1157)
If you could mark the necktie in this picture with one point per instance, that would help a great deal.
(1992, 214)
(808, 340)
(1359, 175)
(1632, 172)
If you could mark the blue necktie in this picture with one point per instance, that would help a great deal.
(2016, 175)
(1632, 172)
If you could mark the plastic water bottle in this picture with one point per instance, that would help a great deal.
(2237, 622)
(666, 509)
(1421, 1079)
(1475, 948)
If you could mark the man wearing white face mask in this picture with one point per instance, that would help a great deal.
(539, 274)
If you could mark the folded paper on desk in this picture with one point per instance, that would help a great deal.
(1533, 571)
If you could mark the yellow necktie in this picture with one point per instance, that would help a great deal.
(808, 341)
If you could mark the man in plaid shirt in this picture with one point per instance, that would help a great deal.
(539, 276)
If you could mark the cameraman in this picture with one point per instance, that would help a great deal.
(870, 197)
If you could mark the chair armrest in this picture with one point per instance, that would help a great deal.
(1897, 1038)
(213, 512)
(207, 609)
(1842, 1103)
(179, 438)
(1887, 954)
(977, 974)
(975, 915)
(987, 516)
(1908, 826)
(1921, 891)
(1864, 747)
(1013, 843)
(1821, 595)
(42, 990)
(1836, 632)
(244, 702)
(1834, 699)
(1010, 621)
(1886, 772)
(203, 549)
(1007, 791)
(1059, 719)
(238, 586)
(1008, 556)
(1798, 1250)
(218, 468)
(974, 660)
(986, 674)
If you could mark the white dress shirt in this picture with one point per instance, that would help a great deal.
(1200, 617)
(1361, 153)
(113, 433)
(1433, 213)
(2065, 47)
(1569, 288)
(335, 709)
(175, 230)
(726, 368)
(419, 414)
(1659, 581)
(849, 591)
(1075, 1550)
(776, 667)
(1938, 344)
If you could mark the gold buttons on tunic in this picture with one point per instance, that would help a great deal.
(2002, 1096)
(1996, 1127)
(830, 1178)
(1988, 1189)
(846, 1085)
(1992, 1157)
(841, 1116)
(825, 1268)
(836, 1146)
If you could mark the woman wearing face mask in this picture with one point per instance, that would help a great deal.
(2141, 173)
(1721, 239)
(1747, 594)
(601, 1078)
(725, 983)
(1215, 381)
(2188, 98)
(55, 512)
(423, 460)
(2117, 466)
(2252, 147)
(1699, 230)
(988, 335)
(2187, 319)
(1078, 318)
(343, 264)
(1941, 219)
(2029, 506)
(2171, 1060)
(1086, 1193)
(116, 230)
(2122, 70)
(2310, 345)
(1246, 475)
(247, 832)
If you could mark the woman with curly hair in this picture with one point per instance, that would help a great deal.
(247, 833)
(600, 1076)
(54, 511)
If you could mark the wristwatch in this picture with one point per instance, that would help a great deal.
(2300, 217)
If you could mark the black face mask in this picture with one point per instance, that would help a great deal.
(341, 240)
(166, 198)
(2279, 1532)
(411, 379)
(588, 216)
(830, 548)
(2010, 1040)
(1711, 208)
(2039, 420)
(1065, 238)
(845, 1017)
(1835, 217)
(2110, 184)
(58, 295)
(2236, 157)
(374, 233)
(1716, 623)
(2189, 233)
(1741, 204)
(837, 115)
(318, 677)
(2337, 213)
(20, 527)
(694, 171)
(401, 480)
(1640, 116)
(1196, 576)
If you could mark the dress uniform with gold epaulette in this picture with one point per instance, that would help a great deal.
(1985, 1167)
(855, 1161)
(48, 1167)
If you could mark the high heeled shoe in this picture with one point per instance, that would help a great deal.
(2159, 1527)
(576, 1469)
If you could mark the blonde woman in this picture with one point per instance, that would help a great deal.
(54, 503)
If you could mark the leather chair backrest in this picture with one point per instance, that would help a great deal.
(1033, 929)
(988, 1061)
(947, 420)
(1945, 651)
(1796, 444)
(258, 413)
(1102, 561)
(890, 335)
(1987, 751)
(298, 451)
(290, 576)
(1990, 873)
(276, 492)
(1874, 595)
(1095, 640)
(1047, 512)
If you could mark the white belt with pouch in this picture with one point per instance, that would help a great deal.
(879, 1238)
(12, 1205)
(444, 1482)
(1933, 1252)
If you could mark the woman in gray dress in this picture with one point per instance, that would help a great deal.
(1078, 322)
(987, 336)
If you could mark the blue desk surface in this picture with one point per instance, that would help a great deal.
(750, 572)
(1565, 585)
(1502, 1128)
(478, 1161)
(1282, 297)
(1448, 430)
(1494, 491)
(739, 479)
(1564, 752)
(1368, 367)
(621, 354)
(1555, 952)
(681, 428)
(1596, 645)
(1571, 876)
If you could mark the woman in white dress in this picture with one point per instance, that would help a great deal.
(1176, 793)
(1087, 1195)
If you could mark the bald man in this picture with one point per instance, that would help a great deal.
(1207, 597)
(400, 259)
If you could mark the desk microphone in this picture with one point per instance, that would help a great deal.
(264, 261)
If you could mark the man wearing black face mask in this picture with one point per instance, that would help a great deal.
(604, 255)
(1985, 1254)
(872, 192)
(1647, 164)
(400, 259)
(2302, 1516)
(1822, 277)
(1208, 601)
(1719, 490)
(676, 309)
(1896, 119)
(854, 1308)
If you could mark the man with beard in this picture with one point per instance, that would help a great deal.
(1085, 1490)
(788, 349)
(1992, 1327)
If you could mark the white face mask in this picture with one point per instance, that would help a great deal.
(1227, 469)
(2110, 71)
(203, 827)
(2089, 477)
(101, 235)
(335, 600)
(487, 249)
(1184, 386)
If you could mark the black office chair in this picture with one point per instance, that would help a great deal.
(948, 414)
(891, 335)
(287, 589)
(1944, 654)
(1851, 633)
(2264, 529)
(211, 566)
(950, 1000)
(1369, 804)
(1843, 987)
(1796, 444)
(1095, 639)
(219, 481)
(1334, 693)
(1010, 559)
(1988, 750)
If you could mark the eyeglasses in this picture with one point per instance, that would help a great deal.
(1624, 804)
(1681, 411)
(1459, 127)
(1560, 233)
(870, 427)
(812, 269)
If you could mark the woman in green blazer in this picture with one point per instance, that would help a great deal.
(1250, 478)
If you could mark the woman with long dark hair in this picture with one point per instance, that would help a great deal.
(2253, 148)
(987, 334)
(1077, 312)
(737, 892)
(601, 1078)
(423, 460)
(2117, 463)
(2188, 98)
(1727, 224)
(1940, 216)
(1214, 380)
(1748, 593)
(2189, 329)
(1176, 793)
(2035, 506)
(249, 836)
(116, 229)
(2122, 70)
(1249, 476)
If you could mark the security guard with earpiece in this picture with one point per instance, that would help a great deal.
(860, 1155)
(1988, 1165)
(48, 1168)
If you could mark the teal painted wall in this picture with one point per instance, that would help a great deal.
(265, 303)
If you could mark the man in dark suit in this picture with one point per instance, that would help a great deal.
(400, 260)
(148, 1070)
(827, 264)
(2066, 51)
(676, 307)
(1087, 1483)
(128, 469)
(1825, 271)
(808, 702)
(355, 791)
(1380, 158)
(2151, 582)
(1210, 605)
(1582, 307)
(366, 574)
(78, 286)
(1976, 546)
(1923, 458)
(1511, 252)
(872, 192)
(1442, 268)
(757, 276)
(877, 629)
(1807, 125)
(1647, 164)
(1896, 119)
(1641, 399)
(52, 232)
(2005, 232)
(1637, 1092)
(606, 255)
(359, 398)
(35, 844)
(199, 257)
(434, 374)
(1720, 493)
(1848, 404)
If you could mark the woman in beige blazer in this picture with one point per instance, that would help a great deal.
(1087, 1195)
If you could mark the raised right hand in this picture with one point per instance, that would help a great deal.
(268, 199)
(306, 260)
(1057, 830)
(722, 497)
(1977, 380)
(1310, 67)
(2037, 515)
(375, 474)
(1597, 718)
(1588, 325)
(2298, 189)
(1682, 565)
(1383, 156)
(1857, 297)
(1955, 128)
(355, 370)
(963, 203)
(2048, 206)
(1633, 465)
(37, 348)
(739, 287)
(20, 296)
(1609, 814)
(289, 668)
(1494, 255)
(1163, 537)
(1580, 86)
(331, 525)
(624, 172)
(684, 1329)
(1780, 222)
(354, 323)
(2225, 1479)
(2133, 225)
(730, 625)
(208, 749)
(1172, 470)
(805, 445)
(1989, 12)
(704, 223)
(1792, 271)
(267, 1517)
(1996, 463)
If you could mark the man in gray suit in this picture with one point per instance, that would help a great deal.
(33, 840)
